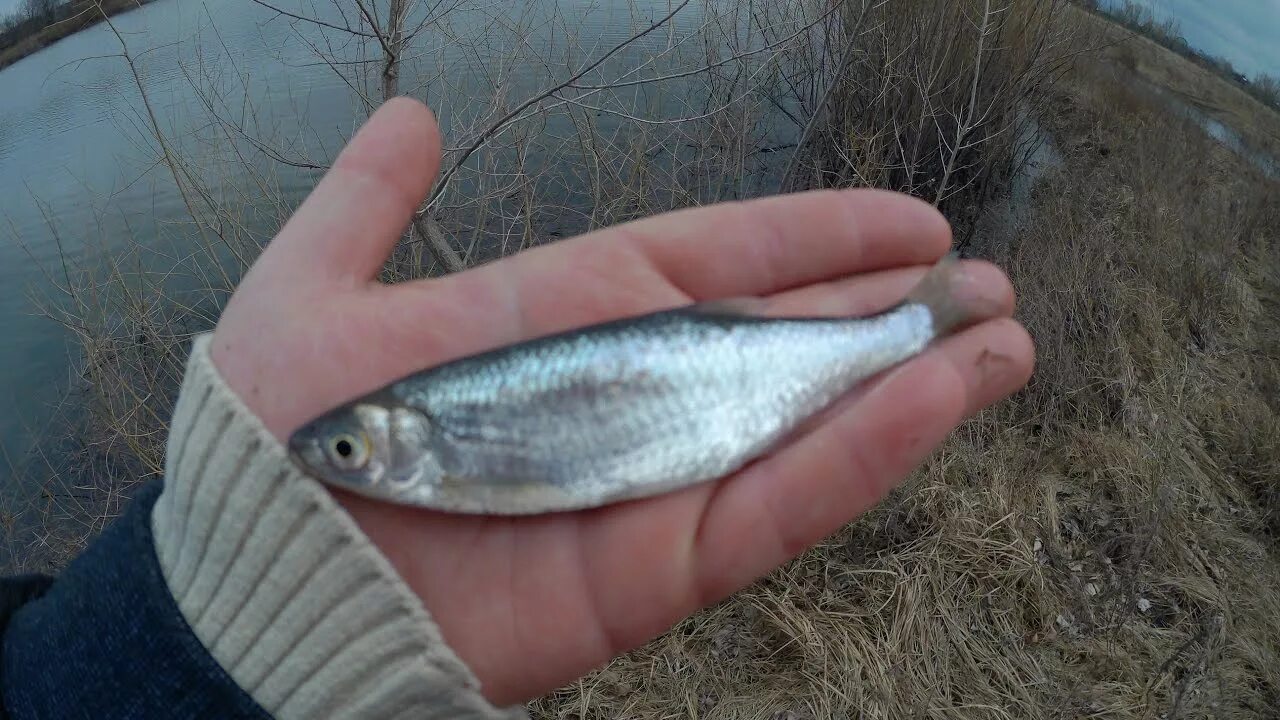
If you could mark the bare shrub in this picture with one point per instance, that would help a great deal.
(1267, 89)
(936, 99)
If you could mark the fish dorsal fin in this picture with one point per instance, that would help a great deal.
(745, 306)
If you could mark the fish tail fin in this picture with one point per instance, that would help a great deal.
(952, 296)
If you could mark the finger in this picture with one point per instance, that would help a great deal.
(875, 292)
(348, 225)
(773, 244)
(782, 505)
(636, 269)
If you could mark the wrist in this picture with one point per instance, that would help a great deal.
(281, 585)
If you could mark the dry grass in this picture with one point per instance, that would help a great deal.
(1103, 545)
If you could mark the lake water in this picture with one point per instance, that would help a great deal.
(79, 173)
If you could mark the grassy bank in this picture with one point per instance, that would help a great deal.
(1140, 19)
(1101, 545)
(1194, 85)
(30, 36)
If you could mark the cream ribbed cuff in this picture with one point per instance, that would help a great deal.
(279, 583)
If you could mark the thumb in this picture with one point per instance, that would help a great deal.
(347, 227)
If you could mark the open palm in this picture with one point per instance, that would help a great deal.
(531, 603)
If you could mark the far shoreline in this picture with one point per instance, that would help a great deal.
(31, 37)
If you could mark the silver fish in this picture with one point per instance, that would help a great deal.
(616, 411)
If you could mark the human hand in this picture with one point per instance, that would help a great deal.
(530, 603)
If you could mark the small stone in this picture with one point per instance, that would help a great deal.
(1090, 589)
(1144, 604)
(1037, 546)
(1077, 567)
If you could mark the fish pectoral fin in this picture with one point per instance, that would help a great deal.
(745, 305)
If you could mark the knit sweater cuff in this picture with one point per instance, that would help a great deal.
(279, 583)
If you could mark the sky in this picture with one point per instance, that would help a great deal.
(1246, 32)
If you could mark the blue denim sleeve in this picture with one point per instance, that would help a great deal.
(106, 640)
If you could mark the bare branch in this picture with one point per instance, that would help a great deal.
(736, 57)
(845, 58)
(373, 23)
(313, 21)
(429, 231)
(963, 129)
(484, 136)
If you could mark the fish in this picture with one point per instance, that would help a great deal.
(620, 410)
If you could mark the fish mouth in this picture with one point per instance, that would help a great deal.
(302, 452)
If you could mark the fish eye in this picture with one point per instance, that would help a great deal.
(348, 451)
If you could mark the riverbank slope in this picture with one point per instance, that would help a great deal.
(1191, 84)
(1105, 543)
